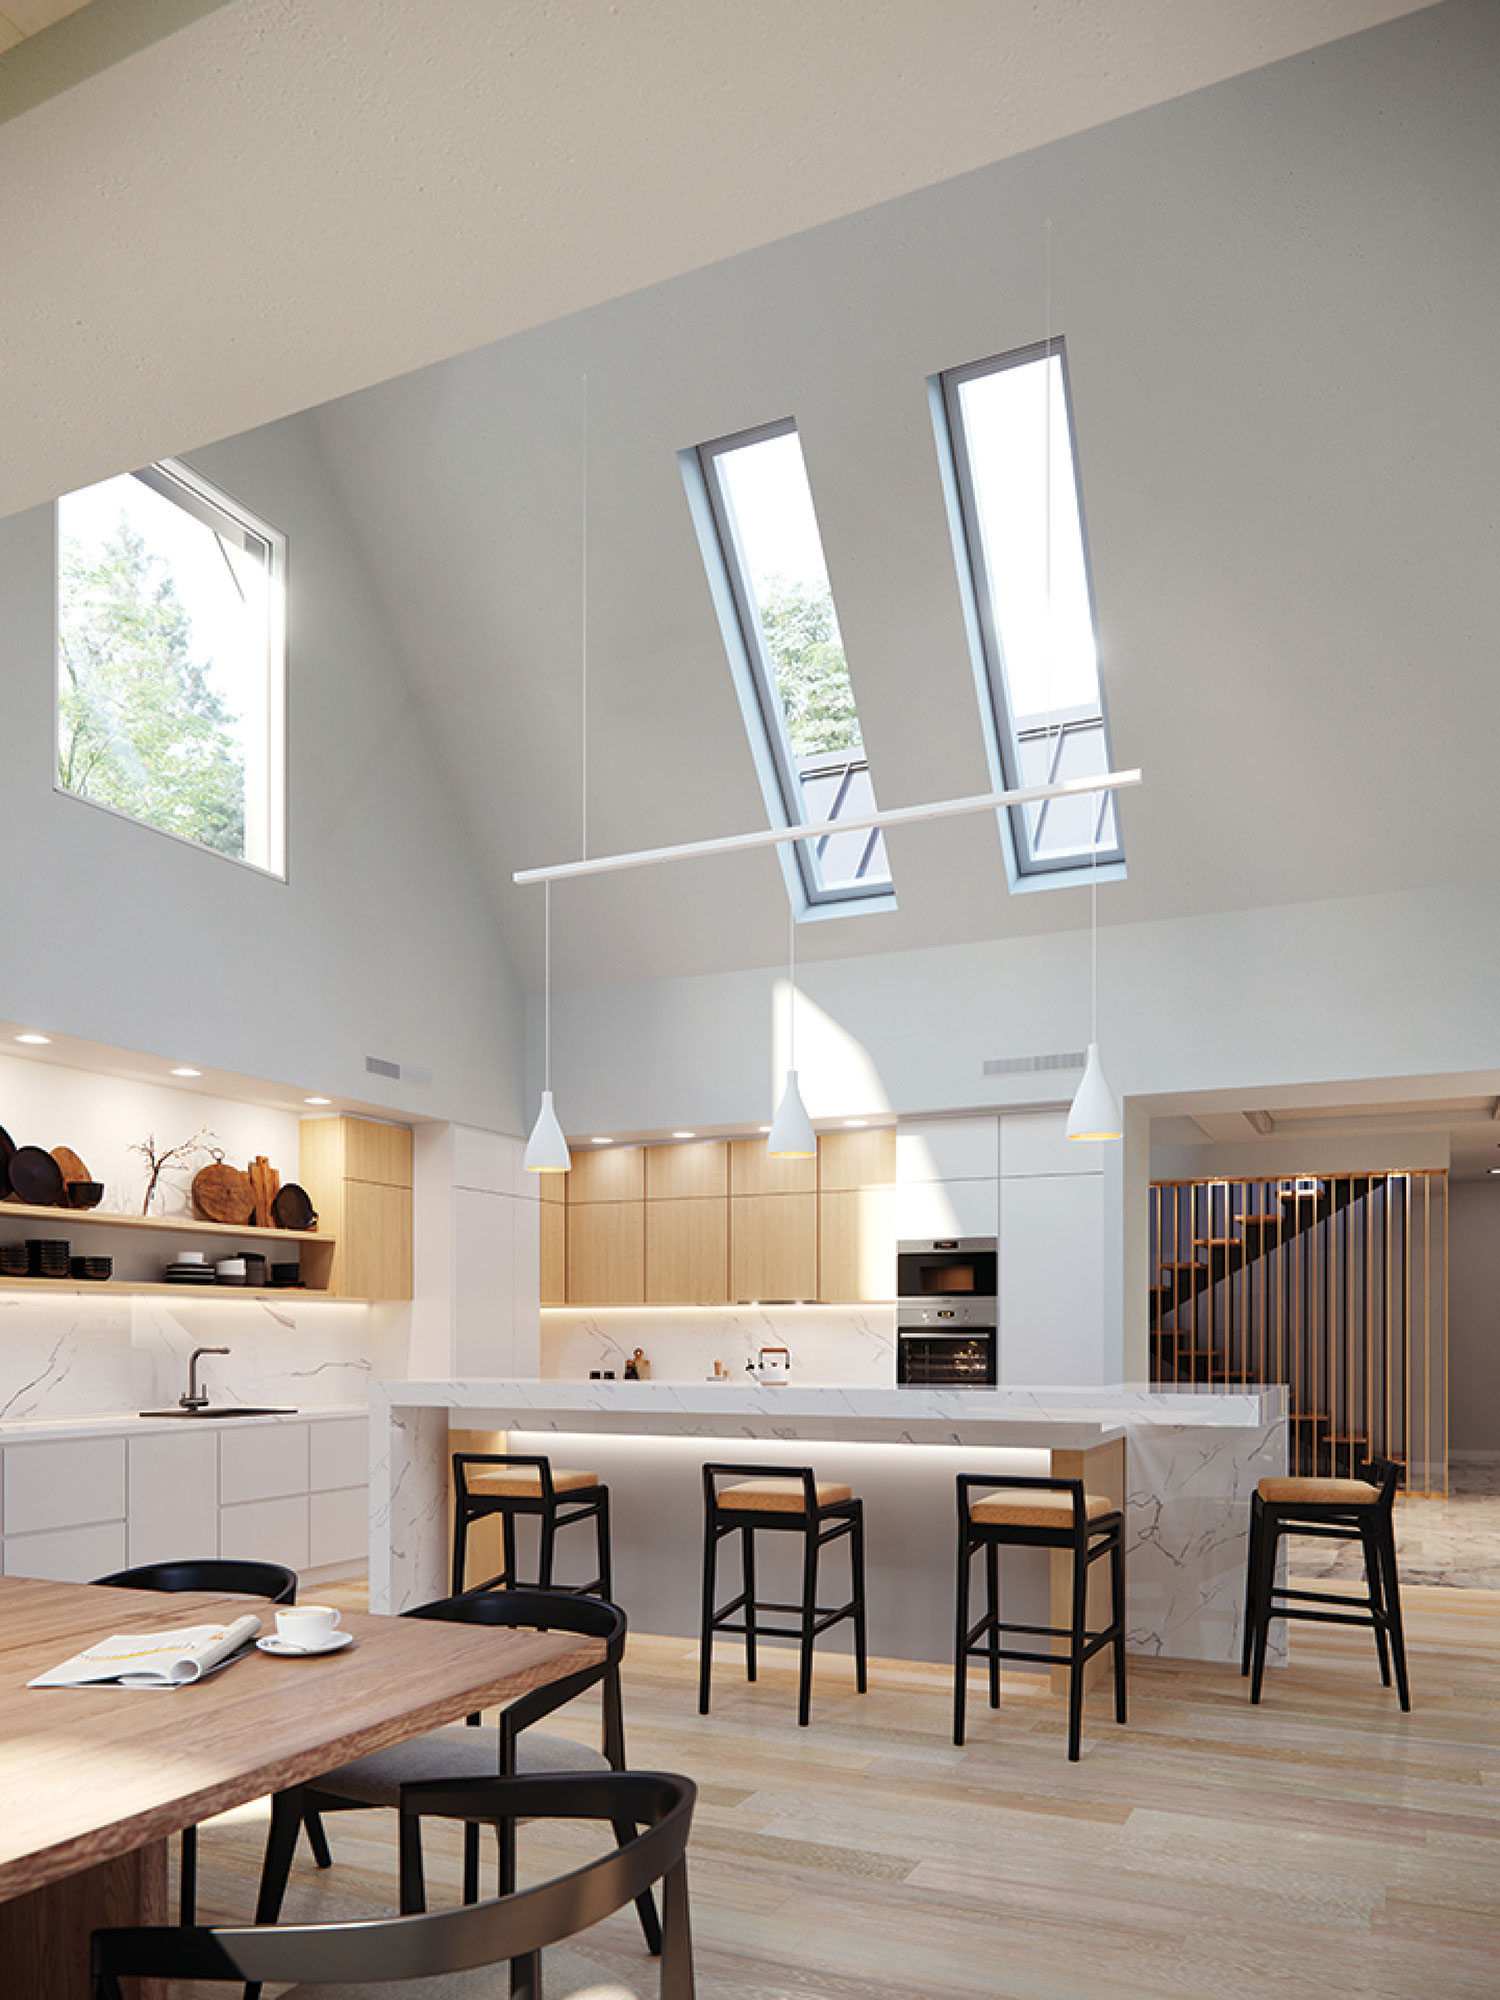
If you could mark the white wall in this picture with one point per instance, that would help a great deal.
(380, 942)
(1474, 1317)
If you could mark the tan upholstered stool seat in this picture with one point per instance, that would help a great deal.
(511, 1482)
(780, 1496)
(1036, 1510)
(1320, 1492)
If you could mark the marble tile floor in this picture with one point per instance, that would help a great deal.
(1453, 1540)
(1320, 1845)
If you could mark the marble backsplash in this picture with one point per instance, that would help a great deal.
(850, 1344)
(70, 1356)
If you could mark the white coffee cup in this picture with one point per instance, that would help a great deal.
(309, 1625)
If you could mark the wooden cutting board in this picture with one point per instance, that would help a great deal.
(221, 1193)
(265, 1180)
(71, 1168)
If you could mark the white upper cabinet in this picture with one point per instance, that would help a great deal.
(947, 1149)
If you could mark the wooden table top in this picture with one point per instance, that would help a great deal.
(89, 1773)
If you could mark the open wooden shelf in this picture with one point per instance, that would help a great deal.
(181, 1225)
(116, 1287)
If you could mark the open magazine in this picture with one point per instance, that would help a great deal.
(153, 1659)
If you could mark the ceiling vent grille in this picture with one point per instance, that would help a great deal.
(396, 1072)
(1030, 1065)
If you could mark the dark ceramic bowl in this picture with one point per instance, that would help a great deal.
(85, 1194)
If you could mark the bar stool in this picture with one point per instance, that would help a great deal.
(512, 1483)
(1335, 1510)
(785, 1498)
(1048, 1514)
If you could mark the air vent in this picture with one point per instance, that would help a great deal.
(1030, 1065)
(397, 1072)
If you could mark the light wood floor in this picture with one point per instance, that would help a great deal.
(1322, 1844)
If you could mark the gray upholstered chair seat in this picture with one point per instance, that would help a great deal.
(454, 1752)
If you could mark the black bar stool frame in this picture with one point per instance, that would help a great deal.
(556, 1510)
(1088, 1540)
(819, 1526)
(1337, 1519)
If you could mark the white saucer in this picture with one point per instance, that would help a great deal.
(285, 1650)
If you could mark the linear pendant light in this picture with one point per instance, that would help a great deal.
(792, 1135)
(1095, 1112)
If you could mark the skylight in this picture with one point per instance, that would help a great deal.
(1007, 428)
(781, 627)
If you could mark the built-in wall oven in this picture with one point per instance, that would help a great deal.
(945, 1313)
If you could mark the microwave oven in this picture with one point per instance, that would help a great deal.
(954, 1267)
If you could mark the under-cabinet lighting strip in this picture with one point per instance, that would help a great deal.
(776, 836)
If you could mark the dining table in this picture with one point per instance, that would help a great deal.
(95, 1780)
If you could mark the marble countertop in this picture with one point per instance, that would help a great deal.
(1069, 1418)
(125, 1423)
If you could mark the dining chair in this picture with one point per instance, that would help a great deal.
(224, 1577)
(451, 1954)
(508, 1748)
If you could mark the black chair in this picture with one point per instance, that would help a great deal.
(790, 1500)
(511, 1484)
(442, 1950)
(1049, 1514)
(225, 1578)
(468, 1750)
(1339, 1510)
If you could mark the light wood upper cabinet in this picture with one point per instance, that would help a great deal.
(851, 1160)
(607, 1173)
(751, 1171)
(607, 1253)
(687, 1252)
(773, 1246)
(356, 1149)
(692, 1171)
(552, 1218)
(369, 1210)
(857, 1244)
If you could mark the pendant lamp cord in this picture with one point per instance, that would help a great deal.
(547, 986)
(791, 998)
(1094, 941)
(1047, 483)
(584, 645)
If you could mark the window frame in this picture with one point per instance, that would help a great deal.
(1026, 869)
(744, 637)
(207, 503)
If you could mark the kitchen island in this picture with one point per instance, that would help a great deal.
(1186, 1463)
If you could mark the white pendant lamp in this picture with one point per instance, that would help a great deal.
(1095, 1112)
(792, 1136)
(547, 1149)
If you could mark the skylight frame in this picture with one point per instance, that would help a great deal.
(1027, 868)
(740, 620)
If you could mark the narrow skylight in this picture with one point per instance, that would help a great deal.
(1007, 428)
(783, 635)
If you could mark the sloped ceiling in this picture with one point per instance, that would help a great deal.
(216, 212)
(1277, 295)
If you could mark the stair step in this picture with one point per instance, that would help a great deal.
(1218, 1242)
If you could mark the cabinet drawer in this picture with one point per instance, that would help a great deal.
(174, 1497)
(262, 1464)
(69, 1555)
(64, 1484)
(265, 1531)
(340, 1453)
(339, 1528)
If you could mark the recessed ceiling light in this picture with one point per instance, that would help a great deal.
(1495, 1170)
(185, 1071)
(317, 1100)
(42, 1041)
(684, 1135)
(856, 1121)
(763, 1128)
(596, 1141)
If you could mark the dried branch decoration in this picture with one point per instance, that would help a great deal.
(170, 1159)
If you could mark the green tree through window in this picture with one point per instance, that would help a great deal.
(140, 727)
(807, 658)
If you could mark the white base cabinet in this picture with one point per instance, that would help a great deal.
(293, 1492)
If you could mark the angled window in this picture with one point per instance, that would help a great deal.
(170, 661)
(760, 538)
(1006, 436)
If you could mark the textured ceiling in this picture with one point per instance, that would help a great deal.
(1270, 291)
(273, 204)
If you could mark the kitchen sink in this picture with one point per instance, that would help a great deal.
(221, 1410)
